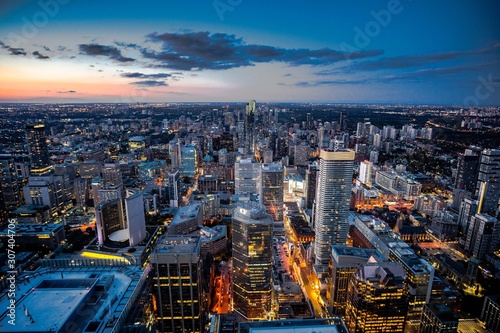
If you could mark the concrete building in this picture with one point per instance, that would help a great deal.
(187, 219)
(438, 318)
(176, 263)
(333, 194)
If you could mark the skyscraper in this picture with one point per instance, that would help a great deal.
(346, 261)
(249, 126)
(377, 299)
(466, 171)
(8, 182)
(177, 289)
(246, 176)
(252, 260)
(189, 160)
(38, 149)
(488, 181)
(483, 235)
(311, 177)
(271, 190)
(332, 201)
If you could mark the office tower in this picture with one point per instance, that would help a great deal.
(226, 141)
(252, 261)
(468, 208)
(48, 191)
(488, 181)
(246, 176)
(345, 261)
(343, 121)
(365, 173)
(189, 161)
(174, 182)
(81, 189)
(466, 171)
(177, 289)
(249, 126)
(377, 299)
(311, 177)
(121, 220)
(323, 138)
(419, 276)
(490, 314)
(438, 318)
(333, 195)
(9, 185)
(271, 190)
(174, 151)
(483, 235)
(38, 149)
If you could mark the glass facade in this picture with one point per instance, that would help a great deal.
(252, 261)
(271, 190)
(38, 149)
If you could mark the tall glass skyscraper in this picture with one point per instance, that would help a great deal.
(271, 190)
(333, 195)
(189, 161)
(38, 149)
(252, 260)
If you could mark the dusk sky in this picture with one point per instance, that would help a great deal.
(410, 52)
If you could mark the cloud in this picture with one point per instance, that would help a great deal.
(420, 60)
(440, 71)
(128, 45)
(38, 55)
(103, 50)
(13, 50)
(323, 83)
(150, 83)
(220, 51)
(67, 92)
(146, 76)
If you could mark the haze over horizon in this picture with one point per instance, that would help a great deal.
(387, 52)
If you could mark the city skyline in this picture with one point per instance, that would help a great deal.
(59, 51)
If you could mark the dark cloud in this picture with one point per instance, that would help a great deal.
(323, 83)
(13, 50)
(220, 51)
(146, 76)
(128, 45)
(38, 55)
(103, 50)
(420, 60)
(428, 72)
(150, 83)
(287, 74)
(67, 92)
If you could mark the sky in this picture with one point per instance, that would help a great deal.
(337, 51)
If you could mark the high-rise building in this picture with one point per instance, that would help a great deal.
(177, 289)
(8, 182)
(311, 177)
(438, 318)
(246, 176)
(252, 261)
(271, 190)
(466, 171)
(38, 149)
(483, 235)
(468, 208)
(332, 201)
(345, 261)
(249, 126)
(189, 161)
(488, 181)
(174, 182)
(377, 299)
(490, 314)
(121, 220)
(365, 173)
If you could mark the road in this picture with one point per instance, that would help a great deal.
(221, 303)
